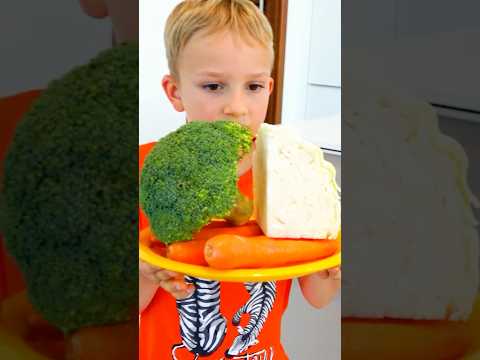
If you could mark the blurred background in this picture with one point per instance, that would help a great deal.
(428, 50)
(42, 43)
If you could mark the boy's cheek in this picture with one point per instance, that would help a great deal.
(201, 115)
(203, 111)
(257, 122)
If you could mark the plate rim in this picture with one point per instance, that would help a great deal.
(239, 275)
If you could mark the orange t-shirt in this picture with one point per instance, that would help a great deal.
(12, 109)
(220, 320)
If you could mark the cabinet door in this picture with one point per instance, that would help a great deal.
(325, 43)
(444, 37)
(312, 96)
(429, 49)
(276, 13)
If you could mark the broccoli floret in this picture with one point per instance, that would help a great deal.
(190, 177)
(71, 178)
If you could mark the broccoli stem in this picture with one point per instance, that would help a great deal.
(241, 212)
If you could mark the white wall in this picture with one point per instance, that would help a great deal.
(312, 82)
(312, 105)
(308, 333)
(40, 43)
(156, 115)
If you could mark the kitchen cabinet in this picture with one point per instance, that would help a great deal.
(429, 49)
(312, 80)
(325, 44)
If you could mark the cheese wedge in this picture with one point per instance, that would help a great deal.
(412, 234)
(295, 192)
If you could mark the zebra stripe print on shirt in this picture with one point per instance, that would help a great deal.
(262, 297)
(202, 326)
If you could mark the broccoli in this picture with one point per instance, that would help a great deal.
(190, 177)
(71, 180)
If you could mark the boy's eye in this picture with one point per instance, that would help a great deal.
(255, 87)
(212, 87)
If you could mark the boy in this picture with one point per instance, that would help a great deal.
(220, 56)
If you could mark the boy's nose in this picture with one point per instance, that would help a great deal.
(235, 107)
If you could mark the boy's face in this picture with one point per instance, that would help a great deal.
(222, 77)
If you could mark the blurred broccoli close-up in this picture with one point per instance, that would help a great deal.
(190, 177)
(71, 177)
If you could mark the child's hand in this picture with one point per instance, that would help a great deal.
(171, 282)
(320, 288)
(333, 273)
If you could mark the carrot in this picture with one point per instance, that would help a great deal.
(147, 238)
(159, 248)
(192, 252)
(227, 251)
(251, 228)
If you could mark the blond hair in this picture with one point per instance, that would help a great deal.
(191, 16)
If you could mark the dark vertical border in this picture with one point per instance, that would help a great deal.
(276, 12)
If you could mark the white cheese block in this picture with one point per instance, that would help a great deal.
(412, 237)
(295, 192)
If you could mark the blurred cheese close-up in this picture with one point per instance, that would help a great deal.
(421, 215)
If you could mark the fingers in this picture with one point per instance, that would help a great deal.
(177, 288)
(171, 282)
(335, 273)
(164, 275)
(144, 268)
(323, 274)
(148, 271)
(154, 273)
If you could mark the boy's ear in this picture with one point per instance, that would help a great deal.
(270, 85)
(170, 86)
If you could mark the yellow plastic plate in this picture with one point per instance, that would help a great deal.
(238, 275)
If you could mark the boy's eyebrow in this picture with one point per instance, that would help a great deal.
(264, 73)
(210, 73)
(219, 74)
